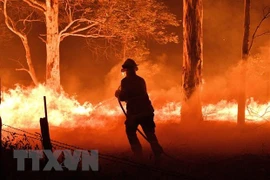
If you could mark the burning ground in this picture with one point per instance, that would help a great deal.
(214, 148)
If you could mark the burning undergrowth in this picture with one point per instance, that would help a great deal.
(102, 124)
(23, 106)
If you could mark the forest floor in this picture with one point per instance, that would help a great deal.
(209, 150)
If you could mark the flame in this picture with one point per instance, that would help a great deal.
(23, 107)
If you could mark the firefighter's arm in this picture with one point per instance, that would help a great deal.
(117, 92)
(123, 92)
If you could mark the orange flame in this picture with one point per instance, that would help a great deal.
(23, 107)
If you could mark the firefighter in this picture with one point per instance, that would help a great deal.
(139, 110)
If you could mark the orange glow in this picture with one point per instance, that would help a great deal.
(23, 107)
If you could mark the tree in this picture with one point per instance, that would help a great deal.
(21, 28)
(246, 48)
(245, 53)
(192, 60)
(266, 15)
(93, 19)
(76, 18)
(73, 19)
(5, 35)
(134, 22)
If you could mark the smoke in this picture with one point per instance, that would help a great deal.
(95, 82)
(162, 80)
(223, 29)
(226, 85)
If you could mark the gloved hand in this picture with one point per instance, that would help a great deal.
(117, 93)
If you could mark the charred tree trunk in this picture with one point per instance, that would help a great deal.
(192, 60)
(52, 45)
(245, 54)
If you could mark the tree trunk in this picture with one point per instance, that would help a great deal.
(31, 70)
(23, 37)
(192, 60)
(245, 54)
(52, 45)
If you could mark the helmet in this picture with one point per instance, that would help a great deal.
(129, 64)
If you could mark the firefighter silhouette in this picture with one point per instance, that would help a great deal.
(139, 110)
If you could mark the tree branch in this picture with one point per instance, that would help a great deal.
(74, 22)
(10, 23)
(42, 39)
(68, 11)
(74, 29)
(35, 4)
(86, 35)
(26, 20)
(22, 66)
(23, 69)
(265, 16)
(78, 30)
(264, 33)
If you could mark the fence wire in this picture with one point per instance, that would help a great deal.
(61, 145)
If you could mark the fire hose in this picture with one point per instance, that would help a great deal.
(139, 131)
(144, 136)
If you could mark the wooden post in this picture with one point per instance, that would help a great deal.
(44, 126)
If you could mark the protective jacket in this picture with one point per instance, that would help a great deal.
(134, 93)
